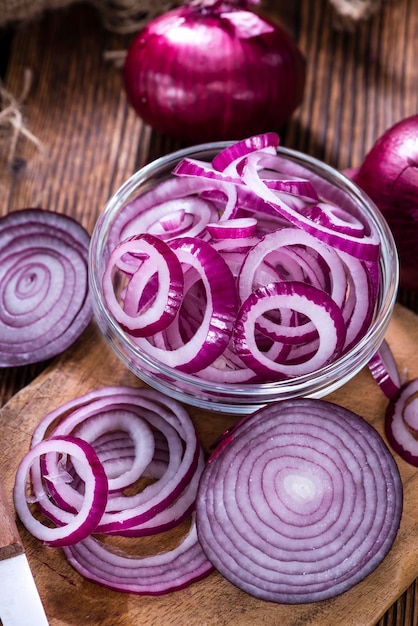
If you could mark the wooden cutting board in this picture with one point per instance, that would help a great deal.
(70, 600)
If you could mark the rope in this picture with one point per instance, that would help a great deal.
(12, 124)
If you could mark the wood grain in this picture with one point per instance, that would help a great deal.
(10, 543)
(358, 84)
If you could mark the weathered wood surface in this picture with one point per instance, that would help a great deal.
(358, 85)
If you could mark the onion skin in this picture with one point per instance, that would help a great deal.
(389, 175)
(191, 74)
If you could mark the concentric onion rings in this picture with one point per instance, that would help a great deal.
(299, 502)
(44, 291)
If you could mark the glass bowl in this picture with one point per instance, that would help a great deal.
(246, 397)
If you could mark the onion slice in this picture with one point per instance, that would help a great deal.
(384, 370)
(299, 502)
(74, 526)
(309, 301)
(139, 315)
(44, 291)
(401, 422)
(364, 245)
(216, 327)
(153, 575)
(123, 463)
(134, 412)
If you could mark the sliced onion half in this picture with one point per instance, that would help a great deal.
(44, 293)
(299, 502)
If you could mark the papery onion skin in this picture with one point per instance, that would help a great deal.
(199, 73)
(389, 175)
(299, 502)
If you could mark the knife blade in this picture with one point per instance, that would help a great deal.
(20, 604)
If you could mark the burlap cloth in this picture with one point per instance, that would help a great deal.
(125, 16)
(122, 16)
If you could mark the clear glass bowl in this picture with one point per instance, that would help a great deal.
(246, 397)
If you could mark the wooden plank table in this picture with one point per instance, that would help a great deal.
(359, 83)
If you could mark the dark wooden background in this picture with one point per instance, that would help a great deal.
(359, 83)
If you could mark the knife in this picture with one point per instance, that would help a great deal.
(20, 604)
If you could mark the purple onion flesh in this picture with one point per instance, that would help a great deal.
(299, 502)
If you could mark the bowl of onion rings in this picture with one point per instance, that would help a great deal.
(232, 275)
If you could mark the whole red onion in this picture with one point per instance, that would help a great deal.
(214, 70)
(389, 175)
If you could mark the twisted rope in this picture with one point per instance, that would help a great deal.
(12, 123)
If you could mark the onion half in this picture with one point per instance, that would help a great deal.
(44, 292)
(299, 502)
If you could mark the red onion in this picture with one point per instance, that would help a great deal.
(278, 280)
(212, 70)
(389, 175)
(299, 502)
(118, 461)
(44, 291)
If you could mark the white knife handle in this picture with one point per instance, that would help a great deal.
(10, 542)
